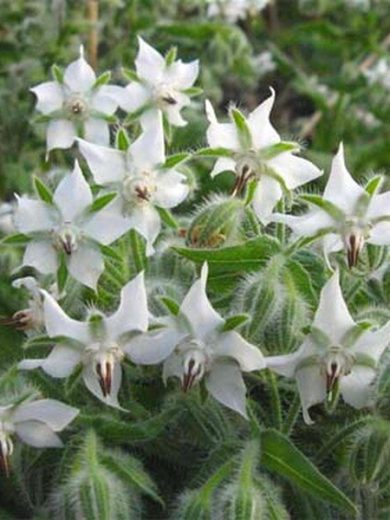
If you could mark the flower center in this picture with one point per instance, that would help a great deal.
(139, 189)
(6, 447)
(164, 96)
(336, 363)
(66, 238)
(247, 168)
(104, 357)
(354, 235)
(195, 364)
(77, 107)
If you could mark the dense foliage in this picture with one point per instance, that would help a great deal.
(184, 455)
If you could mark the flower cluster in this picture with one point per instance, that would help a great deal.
(133, 184)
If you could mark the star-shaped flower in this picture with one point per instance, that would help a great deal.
(76, 104)
(234, 10)
(338, 355)
(160, 85)
(194, 346)
(347, 216)
(256, 153)
(34, 423)
(66, 228)
(141, 180)
(97, 344)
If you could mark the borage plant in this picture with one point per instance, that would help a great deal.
(185, 317)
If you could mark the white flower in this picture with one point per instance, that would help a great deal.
(379, 73)
(264, 62)
(34, 423)
(30, 319)
(139, 177)
(235, 10)
(76, 102)
(161, 86)
(97, 343)
(66, 228)
(6, 218)
(338, 354)
(258, 153)
(194, 346)
(350, 216)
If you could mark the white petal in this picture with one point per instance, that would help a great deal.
(341, 189)
(30, 364)
(59, 324)
(153, 347)
(107, 225)
(41, 255)
(232, 345)
(379, 206)
(198, 310)
(149, 63)
(73, 194)
(49, 97)
(171, 189)
(106, 164)
(134, 96)
(305, 225)
(356, 387)
(294, 170)
(221, 134)
(182, 75)
(132, 313)
(173, 367)
(267, 194)
(149, 149)
(286, 364)
(97, 131)
(146, 220)
(79, 76)
(33, 215)
(37, 434)
(373, 343)
(174, 116)
(332, 315)
(380, 234)
(262, 131)
(61, 133)
(223, 164)
(332, 243)
(312, 388)
(225, 384)
(61, 361)
(92, 383)
(86, 264)
(53, 413)
(103, 100)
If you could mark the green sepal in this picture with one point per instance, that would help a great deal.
(171, 55)
(62, 274)
(43, 192)
(17, 239)
(284, 146)
(215, 152)
(122, 140)
(167, 218)
(374, 185)
(193, 91)
(243, 131)
(233, 322)
(103, 79)
(174, 160)
(250, 191)
(172, 306)
(130, 74)
(102, 202)
(57, 73)
(330, 208)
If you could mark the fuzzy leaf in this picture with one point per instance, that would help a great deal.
(215, 152)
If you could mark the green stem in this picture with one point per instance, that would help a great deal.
(275, 400)
(292, 416)
(280, 227)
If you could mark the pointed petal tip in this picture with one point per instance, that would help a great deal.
(210, 113)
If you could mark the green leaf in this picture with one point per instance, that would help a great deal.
(171, 55)
(167, 218)
(172, 306)
(193, 91)
(243, 131)
(122, 140)
(17, 239)
(332, 210)
(233, 322)
(281, 456)
(103, 79)
(129, 74)
(215, 152)
(57, 73)
(174, 160)
(374, 185)
(43, 192)
(62, 274)
(101, 202)
(109, 252)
